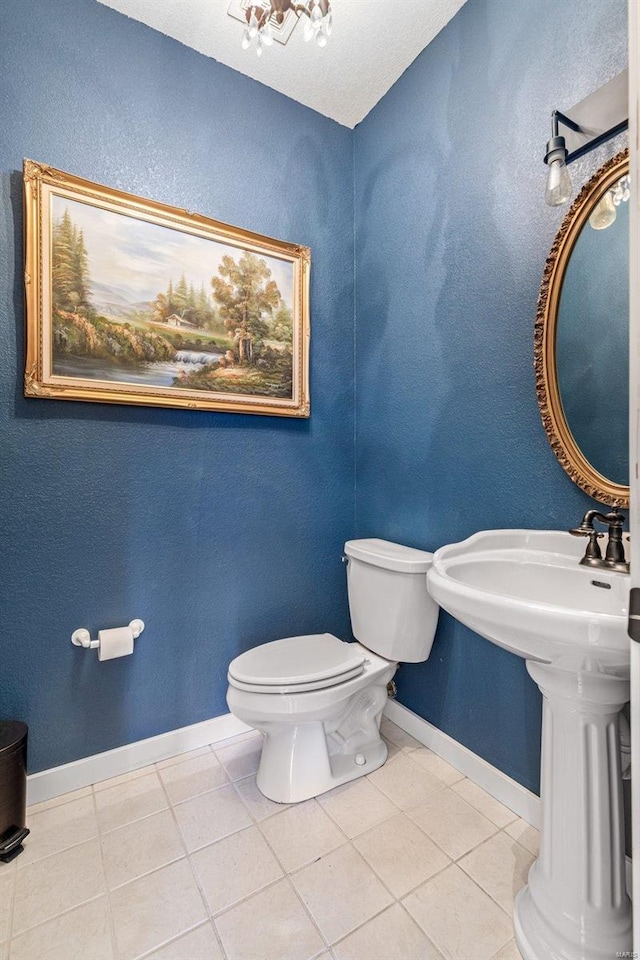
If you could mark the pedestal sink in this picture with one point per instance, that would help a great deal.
(526, 591)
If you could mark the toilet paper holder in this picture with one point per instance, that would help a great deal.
(82, 638)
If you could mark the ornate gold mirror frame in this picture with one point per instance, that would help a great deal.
(562, 441)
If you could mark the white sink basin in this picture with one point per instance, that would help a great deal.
(526, 591)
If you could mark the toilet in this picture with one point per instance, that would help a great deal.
(318, 700)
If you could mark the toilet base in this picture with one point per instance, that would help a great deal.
(296, 766)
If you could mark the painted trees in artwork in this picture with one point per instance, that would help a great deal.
(78, 330)
(184, 301)
(70, 273)
(246, 296)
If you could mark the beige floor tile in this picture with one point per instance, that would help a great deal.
(401, 854)
(391, 731)
(211, 817)
(7, 882)
(247, 735)
(193, 777)
(526, 835)
(122, 778)
(392, 935)
(49, 887)
(259, 806)
(182, 757)
(500, 866)
(357, 806)
(483, 802)
(242, 757)
(4, 951)
(80, 934)
(436, 766)
(58, 801)
(272, 924)
(452, 823)
(141, 847)
(198, 944)
(56, 828)
(156, 908)
(405, 782)
(393, 750)
(235, 868)
(341, 892)
(461, 920)
(510, 952)
(129, 801)
(301, 834)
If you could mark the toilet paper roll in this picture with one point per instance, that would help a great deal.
(115, 643)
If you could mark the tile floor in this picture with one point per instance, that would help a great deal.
(186, 860)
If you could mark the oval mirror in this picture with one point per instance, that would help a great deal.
(582, 337)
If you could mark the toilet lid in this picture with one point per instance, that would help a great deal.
(297, 660)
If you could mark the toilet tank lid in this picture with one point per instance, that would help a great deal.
(391, 556)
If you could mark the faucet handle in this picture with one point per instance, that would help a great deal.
(585, 531)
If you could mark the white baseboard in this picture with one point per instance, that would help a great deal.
(131, 756)
(509, 792)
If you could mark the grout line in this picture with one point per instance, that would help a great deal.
(45, 805)
(478, 884)
(112, 925)
(194, 873)
(149, 953)
(309, 914)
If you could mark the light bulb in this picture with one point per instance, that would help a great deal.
(604, 213)
(558, 183)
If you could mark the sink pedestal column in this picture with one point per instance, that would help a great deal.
(575, 906)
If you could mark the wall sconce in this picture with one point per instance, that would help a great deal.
(594, 120)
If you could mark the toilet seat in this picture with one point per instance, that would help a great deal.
(296, 665)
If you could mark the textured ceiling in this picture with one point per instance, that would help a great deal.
(372, 44)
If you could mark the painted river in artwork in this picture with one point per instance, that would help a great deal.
(152, 375)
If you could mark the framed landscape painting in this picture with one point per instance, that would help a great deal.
(132, 301)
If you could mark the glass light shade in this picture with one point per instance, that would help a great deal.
(558, 183)
(604, 213)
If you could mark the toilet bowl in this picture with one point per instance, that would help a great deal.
(317, 699)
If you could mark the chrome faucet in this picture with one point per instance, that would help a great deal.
(614, 558)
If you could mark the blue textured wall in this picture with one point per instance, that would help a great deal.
(452, 235)
(221, 531)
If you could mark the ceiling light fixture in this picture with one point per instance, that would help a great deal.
(265, 16)
(593, 121)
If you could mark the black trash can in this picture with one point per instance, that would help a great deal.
(13, 788)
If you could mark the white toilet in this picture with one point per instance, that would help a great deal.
(317, 700)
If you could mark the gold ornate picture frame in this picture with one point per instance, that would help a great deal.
(570, 456)
(137, 302)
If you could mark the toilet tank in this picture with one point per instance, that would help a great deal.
(392, 613)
